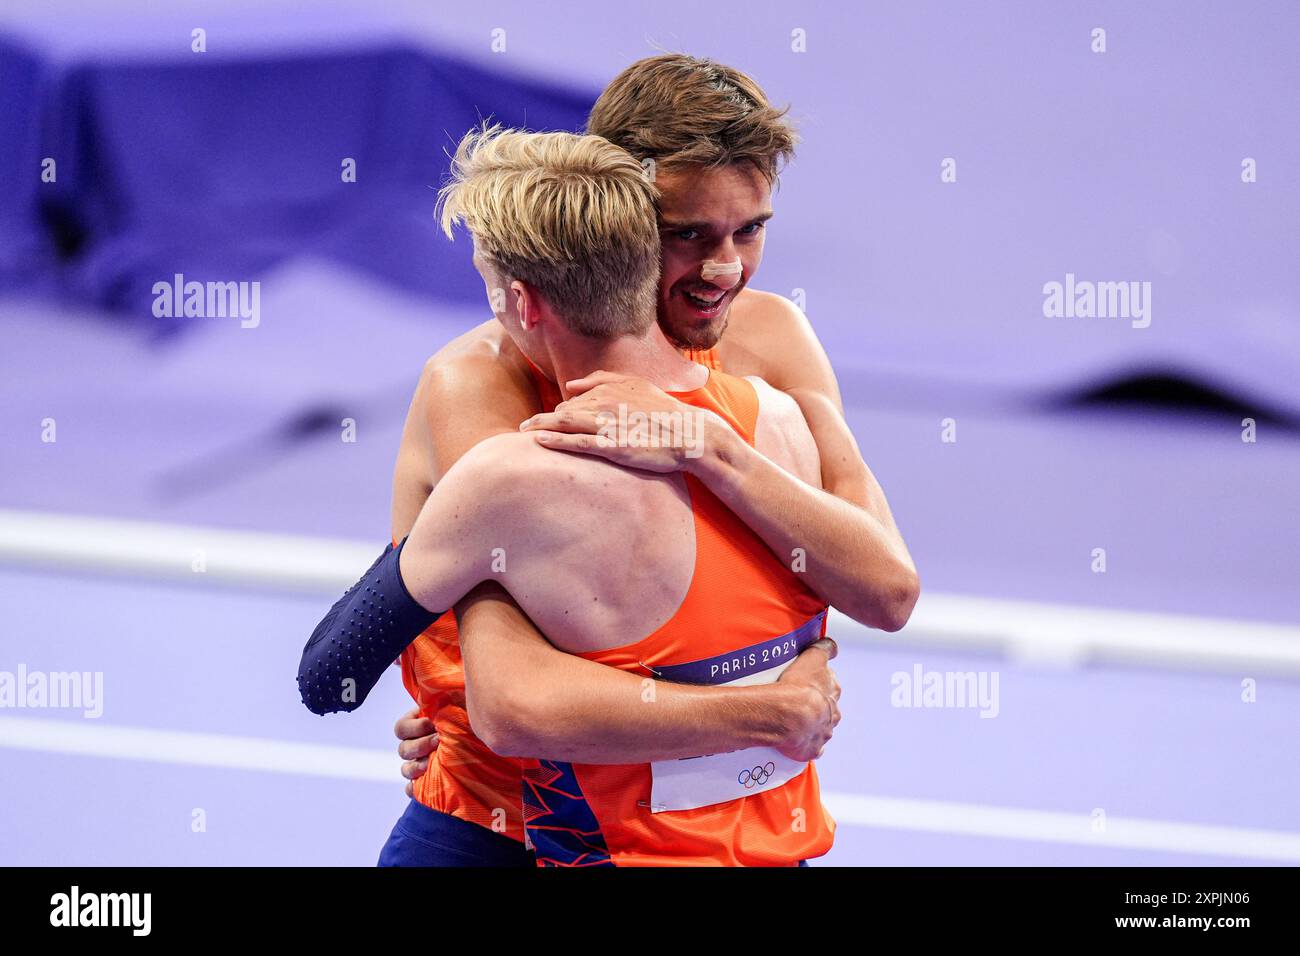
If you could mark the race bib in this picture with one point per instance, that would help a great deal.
(694, 782)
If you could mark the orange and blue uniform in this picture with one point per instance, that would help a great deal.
(746, 615)
(465, 778)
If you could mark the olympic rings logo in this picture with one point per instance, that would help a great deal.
(757, 776)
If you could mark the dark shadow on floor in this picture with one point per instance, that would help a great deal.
(1175, 393)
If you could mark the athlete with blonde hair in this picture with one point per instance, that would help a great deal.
(716, 146)
(650, 574)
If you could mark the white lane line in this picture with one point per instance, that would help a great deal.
(84, 738)
(93, 739)
(1066, 635)
(1048, 826)
(1035, 632)
(170, 551)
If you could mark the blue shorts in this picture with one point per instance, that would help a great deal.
(424, 837)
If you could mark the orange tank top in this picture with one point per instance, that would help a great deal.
(465, 778)
(706, 357)
(746, 615)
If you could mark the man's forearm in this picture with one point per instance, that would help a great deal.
(528, 699)
(601, 715)
(851, 558)
(358, 638)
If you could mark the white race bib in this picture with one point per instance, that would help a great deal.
(718, 778)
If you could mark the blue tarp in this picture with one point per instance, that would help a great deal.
(220, 170)
(25, 247)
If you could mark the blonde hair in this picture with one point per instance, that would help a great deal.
(681, 110)
(572, 216)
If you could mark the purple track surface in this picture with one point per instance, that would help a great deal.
(1011, 510)
(211, 660)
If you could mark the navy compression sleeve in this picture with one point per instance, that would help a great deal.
(364, 632)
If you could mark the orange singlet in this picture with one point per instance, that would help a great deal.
(745, 616)
(464, 777)
(469, 781)
(706, 357)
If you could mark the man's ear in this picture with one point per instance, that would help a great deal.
(524, 300)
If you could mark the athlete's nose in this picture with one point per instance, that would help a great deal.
(724, 275)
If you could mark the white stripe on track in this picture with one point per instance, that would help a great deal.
(1032, 631)
(1049, 826)
(90, 738)
(93, 739)
(254, 559)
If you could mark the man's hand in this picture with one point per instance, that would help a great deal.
(418, 739)
(626, 420)
(819, 712)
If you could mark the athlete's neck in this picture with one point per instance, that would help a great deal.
(650, 356)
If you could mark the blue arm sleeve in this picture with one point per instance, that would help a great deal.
(360, 636)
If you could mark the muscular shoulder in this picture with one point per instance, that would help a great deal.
(475, 386)
(770, 337)
(480, 364)
(509, 476)
(516, 461)
(783, 435)
(759, 322)
(759, 312)
(499, 459)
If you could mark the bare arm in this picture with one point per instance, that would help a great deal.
(855, 556)
(855, 560)
(525, 696)
(526, 699)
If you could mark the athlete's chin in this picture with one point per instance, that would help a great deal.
(687, 328)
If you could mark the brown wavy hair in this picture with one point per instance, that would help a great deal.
(681, 110)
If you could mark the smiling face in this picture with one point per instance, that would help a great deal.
(714, 214)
